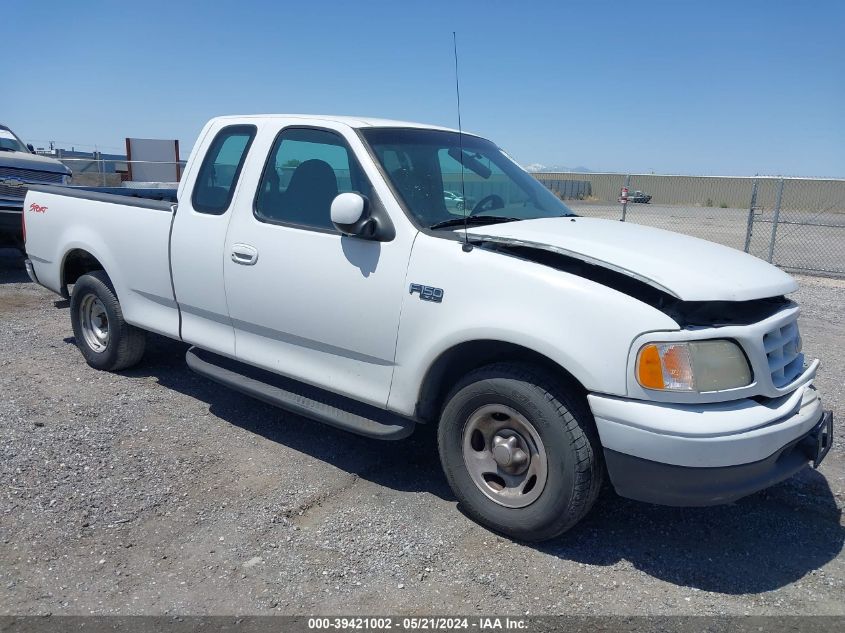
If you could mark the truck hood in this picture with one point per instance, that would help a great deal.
(25, 160)
(686, 267)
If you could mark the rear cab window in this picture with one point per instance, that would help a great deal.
(221, 168)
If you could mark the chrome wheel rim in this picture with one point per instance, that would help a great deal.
(504, 456)
(94, 322)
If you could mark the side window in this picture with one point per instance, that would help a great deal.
(221, 168)
(306, 169)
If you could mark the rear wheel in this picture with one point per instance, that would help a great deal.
(520, 451)
(105, 339)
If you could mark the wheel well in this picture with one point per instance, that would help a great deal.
(458, 361)
(77, 263)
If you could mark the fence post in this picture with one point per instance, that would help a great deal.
(775, 221)
(625, 201)
(751, 206)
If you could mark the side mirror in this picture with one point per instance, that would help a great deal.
(30, 147)
(351, 216)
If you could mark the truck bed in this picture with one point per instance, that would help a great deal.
(128, 235)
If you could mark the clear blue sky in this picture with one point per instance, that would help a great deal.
(710, 87)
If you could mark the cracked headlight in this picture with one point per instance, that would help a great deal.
(692, 366)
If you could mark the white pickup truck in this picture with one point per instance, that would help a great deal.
(313, 263)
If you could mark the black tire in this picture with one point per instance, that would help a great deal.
(125, 345)
(564, 424)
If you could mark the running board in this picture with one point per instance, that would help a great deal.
(311, 402)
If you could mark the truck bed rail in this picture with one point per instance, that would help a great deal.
(157, 199)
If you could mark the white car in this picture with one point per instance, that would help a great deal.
(453, 201)
(550, 350)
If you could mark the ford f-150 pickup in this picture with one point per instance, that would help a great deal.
(314, 263)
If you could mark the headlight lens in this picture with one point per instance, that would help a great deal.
(692, 366)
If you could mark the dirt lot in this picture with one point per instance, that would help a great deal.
(154, 491)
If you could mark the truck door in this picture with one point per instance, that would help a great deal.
(304, 300)
(198, 239)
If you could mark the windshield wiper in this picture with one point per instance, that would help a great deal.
(8, 149)
(473, 219)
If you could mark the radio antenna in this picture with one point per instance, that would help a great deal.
(466, 245)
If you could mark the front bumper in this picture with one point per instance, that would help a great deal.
(664, 484)
(693, 455)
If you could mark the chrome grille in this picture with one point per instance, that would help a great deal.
(783, 351)
(29, 175)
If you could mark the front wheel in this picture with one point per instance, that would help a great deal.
(520, 451)
(105, 339)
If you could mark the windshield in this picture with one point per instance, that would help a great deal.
(10, 142)
(425, 166)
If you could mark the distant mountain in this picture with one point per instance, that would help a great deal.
(539, 167)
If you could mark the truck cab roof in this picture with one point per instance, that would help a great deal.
(351, 121)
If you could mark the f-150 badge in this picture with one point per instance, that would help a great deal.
(427, 293)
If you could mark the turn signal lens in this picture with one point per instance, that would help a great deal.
(665, 366)
(693, 366)
(649, 368)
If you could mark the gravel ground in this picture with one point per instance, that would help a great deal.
(153, 491)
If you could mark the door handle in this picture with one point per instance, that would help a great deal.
(244, 254)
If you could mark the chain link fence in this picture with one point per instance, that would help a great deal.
(795, 223)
